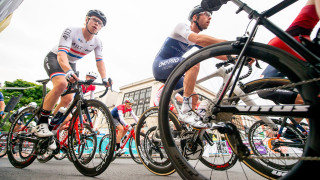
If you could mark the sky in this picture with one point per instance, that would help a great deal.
(133, 35)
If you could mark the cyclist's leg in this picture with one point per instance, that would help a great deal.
(118, 126)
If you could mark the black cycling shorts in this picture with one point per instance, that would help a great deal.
(279, 96)
(52, 66)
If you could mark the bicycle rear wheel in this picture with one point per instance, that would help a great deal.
(20, 146)
(82, 147)
(294, 69)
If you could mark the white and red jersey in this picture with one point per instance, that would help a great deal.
(73, 43)
(91, 88)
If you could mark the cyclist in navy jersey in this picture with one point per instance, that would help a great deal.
(182, 39)
(2, 105)
(60, 64)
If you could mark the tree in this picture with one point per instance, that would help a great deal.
(33, 94)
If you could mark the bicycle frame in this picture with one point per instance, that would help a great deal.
(131, 134)
(221, 72)
(261, 19)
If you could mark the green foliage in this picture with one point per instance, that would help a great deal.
(33, 94)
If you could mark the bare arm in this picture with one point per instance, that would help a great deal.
(2, 105)
(63, 61)
(205, 40)
(101, 68)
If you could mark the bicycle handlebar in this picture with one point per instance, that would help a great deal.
(71, 89)
(232, 60)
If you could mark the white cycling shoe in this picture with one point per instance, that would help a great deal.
(119, 152)
(42, 130)
(194, 120)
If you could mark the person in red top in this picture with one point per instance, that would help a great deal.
(121, 125)
(90, 88)
(303, 25)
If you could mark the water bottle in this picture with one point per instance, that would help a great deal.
(58, 116)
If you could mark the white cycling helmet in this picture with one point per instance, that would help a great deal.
(92, 74)
(129, 100)
(32, 104)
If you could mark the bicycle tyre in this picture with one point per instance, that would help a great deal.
(263, 84)
(154, 167)
(97, 167)
(268, 147)
(11, 147)
(3, 145)
(133, 156)
(293, 68)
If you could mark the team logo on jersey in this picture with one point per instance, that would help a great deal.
(79, 40)
(66, 34)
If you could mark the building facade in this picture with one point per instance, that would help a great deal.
(143, 92)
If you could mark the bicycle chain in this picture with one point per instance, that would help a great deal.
(291, 85)
(286, 158)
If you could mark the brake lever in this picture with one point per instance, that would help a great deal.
(105, 92)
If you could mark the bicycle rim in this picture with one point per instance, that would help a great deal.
(296, 71)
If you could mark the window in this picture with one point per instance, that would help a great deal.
(141, 100)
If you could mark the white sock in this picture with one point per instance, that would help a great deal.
(186, 105)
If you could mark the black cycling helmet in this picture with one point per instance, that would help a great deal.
(98, 14)
(196, 10)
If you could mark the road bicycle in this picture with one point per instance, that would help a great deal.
(160, 164)
(129, 137)
(79, 138)
(303, 78)
(8, 110)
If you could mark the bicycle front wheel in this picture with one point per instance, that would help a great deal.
(133, 149)
(294, 69)
(150, 149)
(83, 144)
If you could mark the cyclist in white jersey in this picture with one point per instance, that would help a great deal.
(60, 64)
(183, 38)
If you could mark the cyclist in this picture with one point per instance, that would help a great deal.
(60, 64)
(2, 105)
(121, 125)
(90, 88)
(182, 39)
(302, 26)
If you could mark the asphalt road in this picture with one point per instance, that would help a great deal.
(121, 168)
